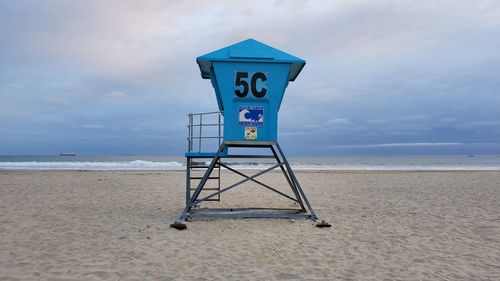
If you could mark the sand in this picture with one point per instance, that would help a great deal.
(69, 225)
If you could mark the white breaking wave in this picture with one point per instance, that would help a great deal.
(353, 167)
(398, 168)
(107, 166)
(177, 166)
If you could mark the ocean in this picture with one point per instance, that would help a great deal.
(368, 163)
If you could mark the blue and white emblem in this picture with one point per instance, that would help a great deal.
(251, 115)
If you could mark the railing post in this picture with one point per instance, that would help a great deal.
(201, 125)
(190, 132)
(219, 128)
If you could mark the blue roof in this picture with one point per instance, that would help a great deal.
(250, 50)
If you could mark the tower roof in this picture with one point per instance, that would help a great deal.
(250, 50)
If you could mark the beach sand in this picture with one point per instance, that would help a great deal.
(70, 225)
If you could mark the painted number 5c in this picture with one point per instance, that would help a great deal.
(258, 84)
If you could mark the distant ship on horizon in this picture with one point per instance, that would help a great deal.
(67, 154)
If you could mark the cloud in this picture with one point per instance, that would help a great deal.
(385, 145)
(54, 101)
(479, 125)
(117, 95)
(417, 72)
(412, 118)
(376, 121)
(448, 120)
(482, 124)
(339, 121)
(94, 126)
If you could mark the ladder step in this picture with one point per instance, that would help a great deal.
(204, 167)
(199, 178)
(209, 188)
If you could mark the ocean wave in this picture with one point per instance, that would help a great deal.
(397, 168)
(130, 165)
(177, 166)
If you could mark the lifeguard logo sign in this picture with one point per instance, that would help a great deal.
(251, 116)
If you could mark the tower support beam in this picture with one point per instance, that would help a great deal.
(193, 207)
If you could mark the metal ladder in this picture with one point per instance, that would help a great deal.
(199, 167)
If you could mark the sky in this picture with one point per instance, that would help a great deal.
(382, 77)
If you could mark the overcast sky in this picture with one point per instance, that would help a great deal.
(382, 77)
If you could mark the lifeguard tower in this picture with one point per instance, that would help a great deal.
(249, 79)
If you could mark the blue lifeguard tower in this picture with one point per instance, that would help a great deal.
(249, 79)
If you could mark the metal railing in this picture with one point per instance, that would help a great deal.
(195, 129)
